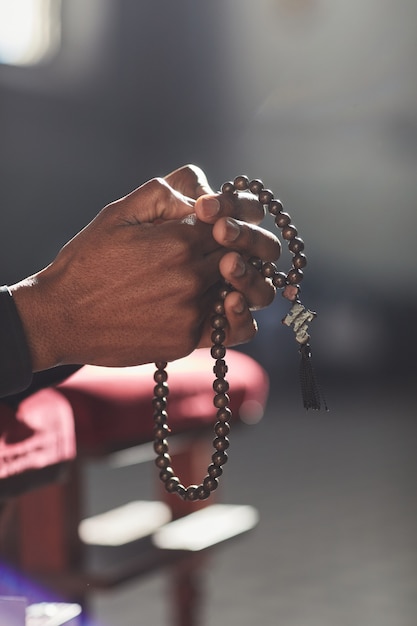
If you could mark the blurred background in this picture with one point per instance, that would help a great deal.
(319, 99)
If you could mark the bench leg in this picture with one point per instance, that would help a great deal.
(187, 591)
(40, 530)
(48, 527)
(187, 585)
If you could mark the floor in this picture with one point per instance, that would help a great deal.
(336, 543)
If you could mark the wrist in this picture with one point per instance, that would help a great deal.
(39, 322)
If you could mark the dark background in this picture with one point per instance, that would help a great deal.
(316, 98)
(319, 99)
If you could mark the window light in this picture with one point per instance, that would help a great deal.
(29, 30)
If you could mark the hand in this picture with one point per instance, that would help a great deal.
(235, 219)
(130, 288)
(135, 285)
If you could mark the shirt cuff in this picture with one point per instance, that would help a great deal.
(15, 359)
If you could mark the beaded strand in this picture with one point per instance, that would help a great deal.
(298, 317)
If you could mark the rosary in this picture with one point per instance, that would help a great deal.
(298, 318)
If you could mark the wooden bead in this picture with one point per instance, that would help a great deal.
(218, 321)
(214, 471)
(181, 491)
(221, 385)
(296, 245)
(265, 196)
(218, 336)
(220, 368)
(256, 262)
(202, 493)
(221, 443)
(160, 376)
(163, 460)
(159, 404)
(161, 431)
(269, 269)
(221, 400)
(256, 186)
(161, 390)
(224, 291)
(210, 484)
(160, 446)
(171, 484)
(166, 473)
(224, 414)
(275, 206)
(191, 493)
(228, 187)
(218, 352)
(289, 232)
(160, 417)
(282, 219)
(219, 458)
(279, 280)
(295, 276)
(222, 429)
(299, 261)
(219, 308)
(160, 365)
(241, 183)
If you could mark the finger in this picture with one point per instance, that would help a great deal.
(243, 206)
(198, 237)
(258, 291)
(249, 239)
(241, 325)
(153, 201)
(190, 180)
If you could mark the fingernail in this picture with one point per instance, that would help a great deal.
(232, 230)
(239, 268)
(239, 307)
(210, 206)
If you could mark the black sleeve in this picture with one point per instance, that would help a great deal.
(15, 360)
(16, 379)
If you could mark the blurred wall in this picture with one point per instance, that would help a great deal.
(317, 97)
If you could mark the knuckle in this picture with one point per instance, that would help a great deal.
(183, 271)
(158, 186)
(193, 173)
(194, 282)
(191, 322)
(180, 249)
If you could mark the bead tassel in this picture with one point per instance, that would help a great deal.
(310, 390)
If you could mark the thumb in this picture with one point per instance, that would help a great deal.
(154, 201)
(189, 180)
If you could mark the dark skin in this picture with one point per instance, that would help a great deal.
(138, 283)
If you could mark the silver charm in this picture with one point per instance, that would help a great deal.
(299, 317)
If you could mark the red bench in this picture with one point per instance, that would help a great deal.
(103, 411)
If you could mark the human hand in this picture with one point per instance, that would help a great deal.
(235, 221)
(133, 287)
